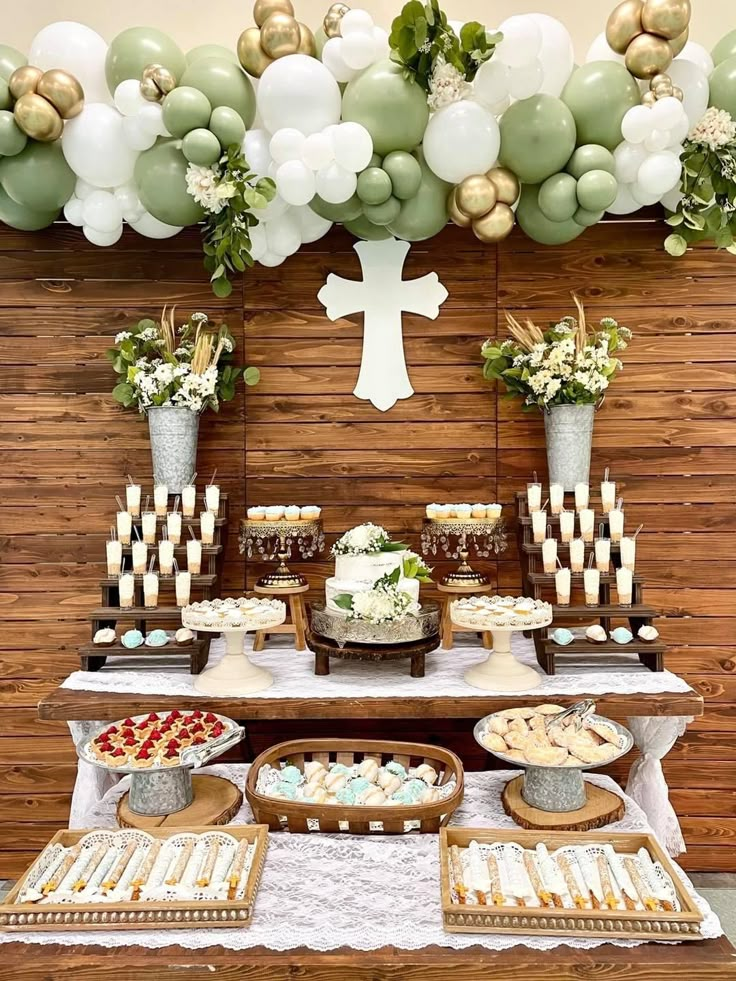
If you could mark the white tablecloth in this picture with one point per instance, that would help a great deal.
(328, 891)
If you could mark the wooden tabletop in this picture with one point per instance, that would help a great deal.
(707, 960)
(69, 704)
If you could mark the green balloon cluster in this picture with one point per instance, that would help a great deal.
(599, 95)
(386, 183)
(726, 48)
(136, 48)
(723, 85)
(537, 138)
(160, 175)
(10, 59)
(12, 137)
(534, 223)
(392, 109)
(584, 191)
(35, 183)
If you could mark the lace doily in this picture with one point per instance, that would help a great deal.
(330, 891)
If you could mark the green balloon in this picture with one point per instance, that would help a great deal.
(537, 138)
(363, 228)
(597, 190)
(405, 173)
(558, 200)
(26, 219)
(588, 218)
(376, 160)
(590, 156)
(392, 109)
(185, 109)
(599, 95)
(210, 51)
(136, 48)
(385, 213)
(10, 59)
(320, 40)
(224, 84)
(723, 86)
(38, 178)
(374, 186)
(345, 211)
(726, 48)
(6, 99)
(537, 226)
(12, 137)
(201, 147)
(227, 125)
(425, 214)
(160, 174)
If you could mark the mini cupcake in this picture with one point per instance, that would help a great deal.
(256, 514)
(292, 513)
(311, 512)
(493, 511)
(478, 511)
(132, 639)
(443, 510)
(157, 638)
(431, 510)
(452, 510)
(274, 513)
(463, 511)
(104, 637)
(622, 635)
(184, 636)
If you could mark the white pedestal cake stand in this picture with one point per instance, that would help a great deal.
(235, 674)
(500, 671)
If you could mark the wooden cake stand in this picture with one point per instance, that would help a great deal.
(447, 628)
(216, 801)
(296, 625)
(324, 648)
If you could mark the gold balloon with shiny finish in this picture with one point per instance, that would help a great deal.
(331, 23)
(506, 183)
(666, 18)
(38, 118)
(63, 91)
(678, 43)
(678, 93)
(475, 196)
(307, 43)
(156, 83)
(496, 225)
(251, 55)
(624, 24)
(263, 9)
(280, 35)
(648, 55)
(456, 215)
(648, 99)
(24, 80)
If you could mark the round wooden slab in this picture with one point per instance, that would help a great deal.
(216, 801)
(602, 807)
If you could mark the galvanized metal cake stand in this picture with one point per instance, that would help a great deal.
(500, 671)
(455, 536)
(276, 540)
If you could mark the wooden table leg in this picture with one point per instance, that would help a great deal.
(298, 618)
(417, 666)
(321, 664)
(259, 641)
(446, 625)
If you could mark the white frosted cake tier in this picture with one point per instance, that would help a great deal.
(335, 587)
(366, 568)
(500, 613)
(233, 614)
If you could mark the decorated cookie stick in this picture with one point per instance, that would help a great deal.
(88, 871)
(545, 897)
(609, 897)
(479, 878)
(119, 867)
(208, 865)
(571, 881)
(145, 870)
(236, 869)
(60, 872)
(644, 894)
(495, 876)
(181, 864)
(622, 877)
(457, 873)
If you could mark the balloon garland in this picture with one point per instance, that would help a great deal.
(391, 134)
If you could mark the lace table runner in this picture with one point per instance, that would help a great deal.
(329, 891)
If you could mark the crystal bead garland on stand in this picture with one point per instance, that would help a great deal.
(276, 540)
(454, 536)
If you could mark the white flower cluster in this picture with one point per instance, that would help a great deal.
(208, 189)
(715, 129)
(382, 604)
(122, 336)
(364, 539)
(446, 85)
(153, 378)
(550, 366)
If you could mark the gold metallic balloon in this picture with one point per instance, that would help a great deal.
(496, 225)
(38, 118)
(456, 215)
(331, 23)
(475, 196)
(280, 35)
(648, 55)
(648, 99)
(263, 9)
(624, 24)
(662, 91)
(24, 80)
(63, 91)
(678, 93)
(307, 44)
(667, 18)
(156, 82)
(250, 53)
(679, 42)
(506, 183)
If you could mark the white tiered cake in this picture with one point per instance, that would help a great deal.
(360, 561)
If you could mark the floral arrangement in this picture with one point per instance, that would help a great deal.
(366, 539)
(707, 209)
(413, 566)
(564, 365)
(187, 367)
(229, 193)
(432, 54)
(381, 604)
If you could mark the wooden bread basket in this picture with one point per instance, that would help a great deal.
(286, 815)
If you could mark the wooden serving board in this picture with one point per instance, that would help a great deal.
(216, 801)
(602, 807)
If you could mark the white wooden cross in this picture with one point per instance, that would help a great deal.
(382, 296)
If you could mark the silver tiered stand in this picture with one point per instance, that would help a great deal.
(455, 536)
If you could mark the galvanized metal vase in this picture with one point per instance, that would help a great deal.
(174, 432)
(569, 432)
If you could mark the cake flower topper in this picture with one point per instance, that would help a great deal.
(366, 539)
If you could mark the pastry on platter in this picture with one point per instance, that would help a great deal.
(155, 739)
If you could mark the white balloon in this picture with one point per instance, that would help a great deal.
(151, 119)
(95, 147)
(644, 198)
(271, 259)
(556, 54)
(78, 50)
(491, 84)
(659, 173)
(625, 202)
(658, 139)
(335, 184)
(698, 55)
(153, 228)
(298, 91)
(600, 51)
(286, 144)
(671, 199)
(130, 203)
(102, 211)
(356, 21)
(128, 98)
(73, 212)
(283, 235)
(522, 40)
(255, 149)
(96, 237)
(637, 124)
(461, 139)
(275, 208)
(312, 225)
(629, 157)
(295, 182)
(335, 63)
(679, 132)
(353, 146)
(317, 151)
(694, 84)
(136, 137)
(667, 113)
(258, 244)
(82, 189)
(526, 80)
(358, 50)
(380, 42)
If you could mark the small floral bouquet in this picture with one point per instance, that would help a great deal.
(189, 367)
(366, 539)
(413, 566)
(383, 603)
(707, 208)
(229, 193)
(564, 365)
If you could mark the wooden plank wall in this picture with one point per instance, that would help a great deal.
(667, 430)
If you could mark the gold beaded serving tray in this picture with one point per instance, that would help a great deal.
(20, 917)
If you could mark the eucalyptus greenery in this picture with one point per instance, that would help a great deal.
(421, 35)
